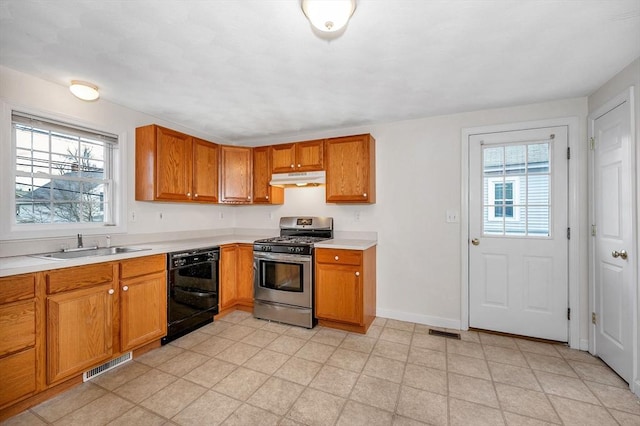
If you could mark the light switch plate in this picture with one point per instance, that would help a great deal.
(453, 216)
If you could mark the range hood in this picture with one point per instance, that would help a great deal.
(298, 179)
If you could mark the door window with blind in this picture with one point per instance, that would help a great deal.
(63, 173)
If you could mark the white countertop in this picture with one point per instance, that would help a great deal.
(26, 264)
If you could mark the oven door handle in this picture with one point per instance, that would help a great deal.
(283, 257)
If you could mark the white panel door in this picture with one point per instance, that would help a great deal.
(518, 248)
(612, 245)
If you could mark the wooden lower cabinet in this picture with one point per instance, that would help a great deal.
(345, 288)
(236, 277)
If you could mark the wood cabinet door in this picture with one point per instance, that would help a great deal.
(235, 174)
(173, 165)
(143, 310)
(17, 375)
(263, 193)
(79, 330)
(310, 156)
(245, 274)
(350, 163)
(228, 274)
(338, 293)
(283, 158)
(205, 171)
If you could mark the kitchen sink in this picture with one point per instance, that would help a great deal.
(89, 252)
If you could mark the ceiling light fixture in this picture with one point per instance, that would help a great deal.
(329, 17)
(83, 90)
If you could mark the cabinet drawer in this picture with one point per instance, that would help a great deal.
(17, 287)
(142, 266)
(79, 277)
(17, 326)
(339, 257)
(17, 375)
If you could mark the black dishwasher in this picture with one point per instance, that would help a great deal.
(192, 288)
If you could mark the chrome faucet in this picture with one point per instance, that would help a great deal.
(80, 241)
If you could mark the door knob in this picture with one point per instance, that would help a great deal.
(475, 241)
(621, 253)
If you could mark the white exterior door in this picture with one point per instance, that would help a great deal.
(613, 255)
(518, 248)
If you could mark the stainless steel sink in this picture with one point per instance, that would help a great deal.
(90, 252)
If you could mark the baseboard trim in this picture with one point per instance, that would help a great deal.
(419, 318)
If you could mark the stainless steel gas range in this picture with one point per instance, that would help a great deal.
(283, 270)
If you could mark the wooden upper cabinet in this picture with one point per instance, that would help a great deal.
(263, 193)
(298, 157)
(235, 174)
(350, 166)
(173, 166)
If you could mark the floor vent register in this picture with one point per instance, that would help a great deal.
(448, 334)
(88, 375)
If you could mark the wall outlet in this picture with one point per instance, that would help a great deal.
(356, 216)
(453, 216)
(160, 215)
(221, 215)
(132, 216)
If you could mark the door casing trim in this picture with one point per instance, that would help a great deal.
(573, 133)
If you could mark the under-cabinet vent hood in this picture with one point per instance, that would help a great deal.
(298, 179)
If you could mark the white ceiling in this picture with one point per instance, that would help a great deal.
(244, 71)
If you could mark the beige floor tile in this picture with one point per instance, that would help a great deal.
(598, 373)
(566, 387)
(473, 390)
(215, 327)
(250, 415)
(374, 331)
(301, 332)
(376, 392)
(468, 366)
(426, 341)
(298, 370)
(334, 380)
(498, 340)
(212, 408)
(158, 356)
(212, 346)
(236, 332)
(190, 340)
(470, 336)
(349, 360)
(236, 317)
(391, 350)
(580, 413)
(238, 354)
(526, 402)
(266, 361)
(400, 325)
(358, 343)
(98, 412)
(276, 395)
(512, 375)
(210, 373)
(69, 401)
(421, 328)
(538, 347)
(514, 419)
(316, 408)
(26, 418)
(625, 419)
(428, 358)
(550, 364)
(289, 422)
(384, 368)
(577, 355)
(505, 355)
(460, 347)
(241, 383)
(329, 337)
(143, 386)
(396, 336)
(172, 399)
(422, 406)
(183, 363)
(614, 397)
(464, 413)
(429, 379)
(120, 375)
(260, 338)
(356, 414)
(406, 421)
(286, 344)
(379, 321)
(276, 327)
(314, 351)
(253, 322)
(138, 416)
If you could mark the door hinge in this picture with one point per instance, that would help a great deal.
(594, 230)
(569, 314)
(593, 318)
(592, 144)
(568, 233)
(569, 153)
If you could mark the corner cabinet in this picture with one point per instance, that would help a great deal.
(173, 166)
(345, 288)
(350, 166)
(236, 167)
(298, 157)
(263, 193)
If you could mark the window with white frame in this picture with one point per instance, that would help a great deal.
(63, 173)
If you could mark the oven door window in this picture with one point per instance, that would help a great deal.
(282, 276)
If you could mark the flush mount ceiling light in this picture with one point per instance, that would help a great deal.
(329, 16)
(83, 90)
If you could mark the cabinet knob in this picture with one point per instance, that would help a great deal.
(357, 274)
(125, 288)
(364, 195)
(188, 194)
(299, 165)
(336, 258)
(292, 166)
(196, 195)
(267, 197)
(111, 291)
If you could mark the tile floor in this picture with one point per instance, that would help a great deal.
(243, 371)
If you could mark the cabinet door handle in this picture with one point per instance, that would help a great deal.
(336, 258)
(364, 195)
(111, 291)
(357, 274)
(188, 194)
(292, 166)
(298, 165)
(125, 288)
(267, 197)
(196, 195)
